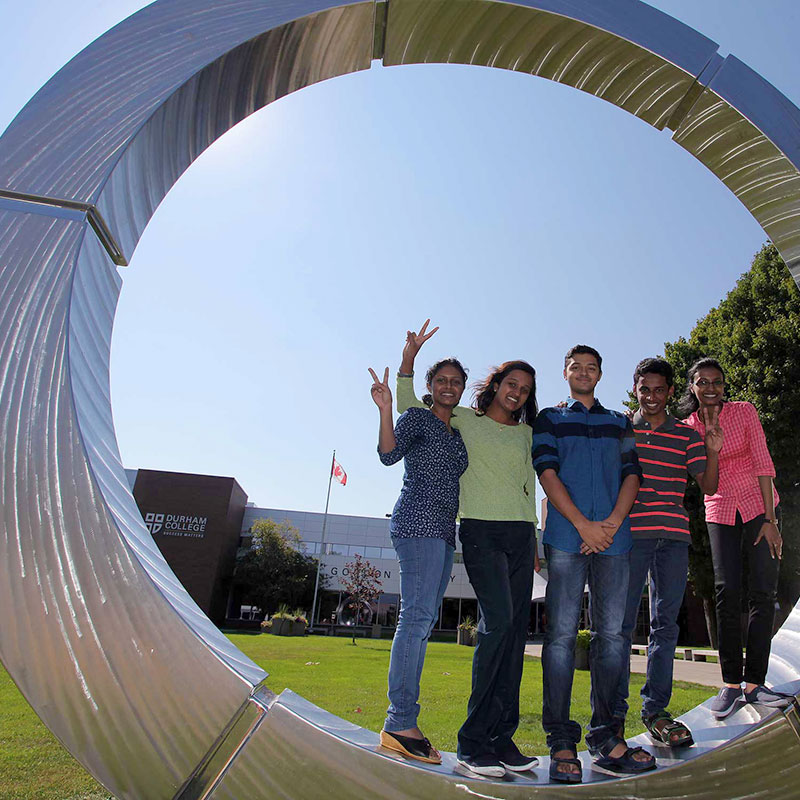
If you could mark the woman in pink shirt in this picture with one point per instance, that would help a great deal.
(743, 510)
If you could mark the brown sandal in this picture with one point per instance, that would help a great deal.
(418, 749)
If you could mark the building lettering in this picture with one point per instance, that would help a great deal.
(176, 524)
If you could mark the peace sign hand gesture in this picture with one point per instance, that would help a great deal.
(414, 341)
(714, 438)
(381, 393)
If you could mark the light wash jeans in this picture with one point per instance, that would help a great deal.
(425, 566)
(667, 561)
(567, 575)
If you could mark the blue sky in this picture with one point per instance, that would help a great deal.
(522, 216)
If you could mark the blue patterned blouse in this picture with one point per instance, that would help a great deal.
(435, 459)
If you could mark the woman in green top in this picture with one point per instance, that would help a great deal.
(497, 507)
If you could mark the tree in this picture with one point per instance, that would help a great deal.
(363, 586)
(755, 335)
(276, 569)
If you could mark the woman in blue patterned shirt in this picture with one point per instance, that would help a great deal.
(423, 531)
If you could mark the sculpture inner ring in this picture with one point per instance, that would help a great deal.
(100, 621)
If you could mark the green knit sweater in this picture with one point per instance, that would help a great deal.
(500, 483)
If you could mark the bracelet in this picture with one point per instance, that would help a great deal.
(405, 374)
(772, 521)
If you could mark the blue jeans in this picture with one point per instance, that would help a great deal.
(667, 561)
(607, 576)
(425, 566)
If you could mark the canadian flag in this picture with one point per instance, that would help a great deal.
(338, 473)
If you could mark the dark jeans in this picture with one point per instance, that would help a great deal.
(667, 561)
(567, 575)
(730, 546)
(499, 559)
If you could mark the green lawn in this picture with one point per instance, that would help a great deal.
(33, 765)
(351, 682)
(346, 680)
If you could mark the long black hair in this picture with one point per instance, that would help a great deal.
(486, 389)
(431, 374)
(688, 404)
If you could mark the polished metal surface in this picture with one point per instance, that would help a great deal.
(103, 641)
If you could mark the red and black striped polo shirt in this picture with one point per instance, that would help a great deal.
(667, 455)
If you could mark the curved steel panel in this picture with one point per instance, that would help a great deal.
(100, 654)
(94, 152)
(68, 138)
(529, 37)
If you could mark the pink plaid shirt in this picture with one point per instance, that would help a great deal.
(743, 458)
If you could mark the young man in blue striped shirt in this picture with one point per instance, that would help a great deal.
(585, 457)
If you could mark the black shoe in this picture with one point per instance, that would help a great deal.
(761, 696)
(487, 765)
(511, 758)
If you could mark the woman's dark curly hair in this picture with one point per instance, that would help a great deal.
(431, 374)
(486, 389)
(688, 404)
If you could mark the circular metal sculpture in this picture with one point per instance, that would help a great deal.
(98, 634)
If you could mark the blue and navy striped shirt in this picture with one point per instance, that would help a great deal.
(593, 451)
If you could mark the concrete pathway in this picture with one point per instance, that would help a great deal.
(704, 673)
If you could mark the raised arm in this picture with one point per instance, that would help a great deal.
(393, 443)
(382, 395)
(414, 342)
(405, 377)
(708, 479)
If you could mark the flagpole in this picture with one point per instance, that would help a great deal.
(322, 545)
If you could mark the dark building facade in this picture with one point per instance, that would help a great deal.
(196, 521)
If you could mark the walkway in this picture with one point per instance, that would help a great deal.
(704, 673)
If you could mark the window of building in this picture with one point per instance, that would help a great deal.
(469, 608)
(387, 608)
(449, 619)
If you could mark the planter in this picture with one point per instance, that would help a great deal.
(282, 627)
(376, 631)
(297, 628)
(466, 637)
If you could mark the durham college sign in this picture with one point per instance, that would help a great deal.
(175, 524)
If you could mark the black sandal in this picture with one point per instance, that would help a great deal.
(565, 777)
(418, 749)
(672, 733)
(625, 764)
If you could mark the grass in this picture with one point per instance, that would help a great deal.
(351, 683)
(329, 671)
(33, 764)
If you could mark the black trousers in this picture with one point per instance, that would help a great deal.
(731, 547)
(499, 559)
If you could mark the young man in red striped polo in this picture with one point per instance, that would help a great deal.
(669, 452)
